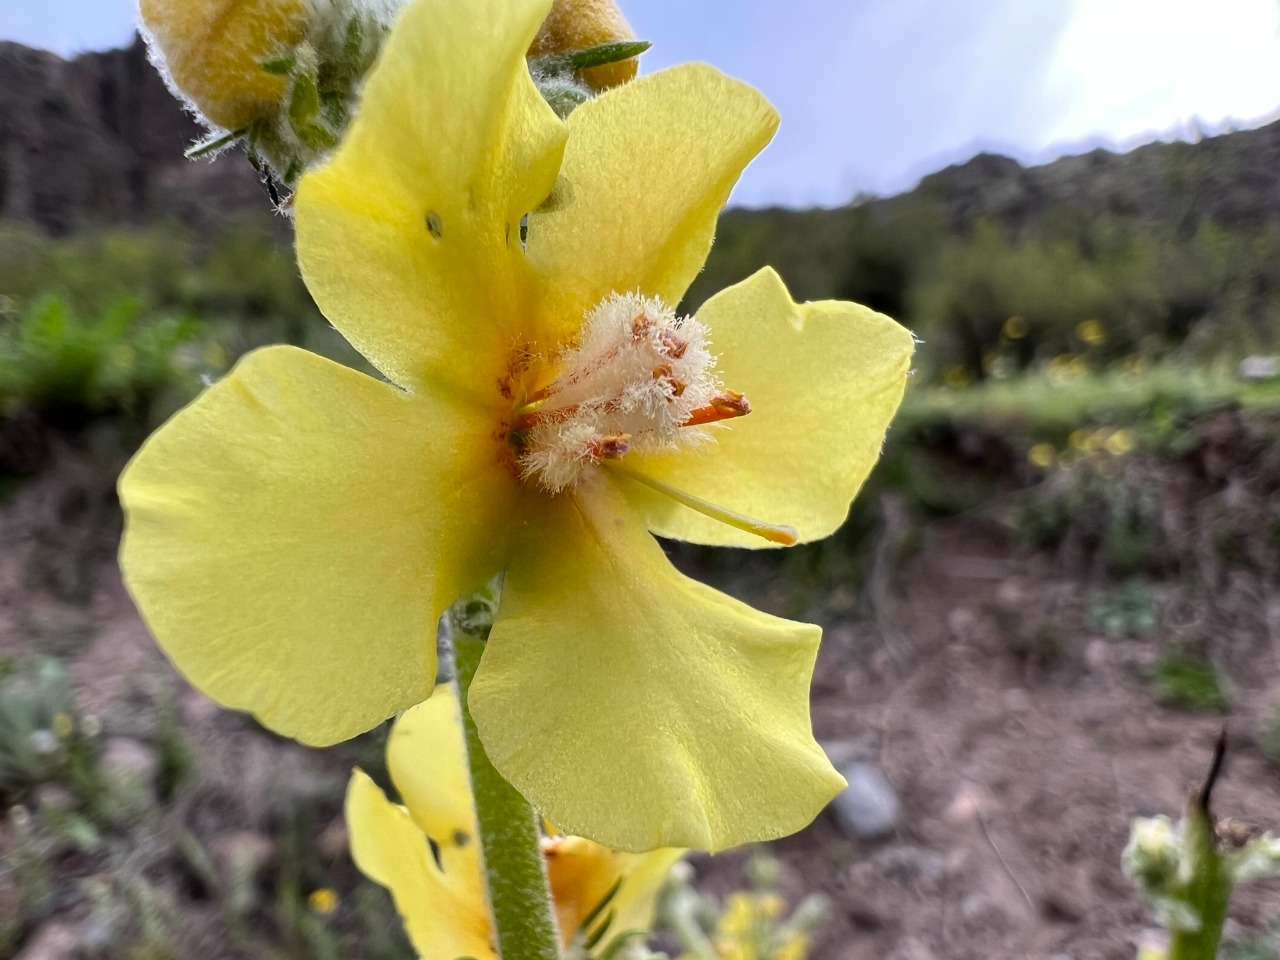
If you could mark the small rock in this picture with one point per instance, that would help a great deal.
(868, 807)
(1259, 368)
(843, 753)
(981, 912)
(53, 941)
(968, 804)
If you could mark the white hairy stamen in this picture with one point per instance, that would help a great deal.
(631, 383)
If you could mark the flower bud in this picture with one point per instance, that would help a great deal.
(578, 24)
(213, 51)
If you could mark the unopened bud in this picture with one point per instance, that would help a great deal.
(578, 24)
(213, 52)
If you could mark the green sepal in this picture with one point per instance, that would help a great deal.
(213, 143)
(584, 59)
(280, 66)
(304, 102)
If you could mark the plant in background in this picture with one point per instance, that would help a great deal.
(37, 726)
(1188, 870)
(750, 924)
(62, 365)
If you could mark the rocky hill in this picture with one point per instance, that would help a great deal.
(99, 139)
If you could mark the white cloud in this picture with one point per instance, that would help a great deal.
(1129, 68)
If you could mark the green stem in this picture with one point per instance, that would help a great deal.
(514, 870)
(1208, 891)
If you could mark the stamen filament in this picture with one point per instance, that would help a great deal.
(773, 532)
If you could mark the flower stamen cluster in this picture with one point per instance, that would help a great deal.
(639, 378)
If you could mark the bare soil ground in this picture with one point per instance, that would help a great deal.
(1019, 739)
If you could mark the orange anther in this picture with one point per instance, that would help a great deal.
(726, 406)
(673, 345)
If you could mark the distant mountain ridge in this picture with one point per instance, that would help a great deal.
(98, 139)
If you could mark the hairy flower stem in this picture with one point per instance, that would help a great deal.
(514, 871)
(1208, 892)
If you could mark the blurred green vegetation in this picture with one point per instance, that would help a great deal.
(991, 298)
(128, 323)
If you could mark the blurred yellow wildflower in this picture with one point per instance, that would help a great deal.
(1015, 328)
(578, 24)
(212, 51)
(293, 536)
(1042, 455)
(427, 855)
(1119, 442)
(1092, 332)
(749, 928)
(1066, 367)
(323, 901)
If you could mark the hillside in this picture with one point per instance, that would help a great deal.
(1172, 248)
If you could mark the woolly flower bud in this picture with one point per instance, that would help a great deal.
(212, 52)
(578, 24)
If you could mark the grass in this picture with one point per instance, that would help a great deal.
(1187, 681)
(1151, 401)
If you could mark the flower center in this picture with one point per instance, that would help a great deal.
(638, 379)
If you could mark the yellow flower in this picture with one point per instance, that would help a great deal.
(213, 51)
(578, 24)
(323, 901)
(293, 536)
(1092, 332)
(1042, 455)
(1015, 328)
(426, 852)
(1119, 443)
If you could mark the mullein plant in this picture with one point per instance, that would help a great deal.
(510, 258)
(282, 76)
(1187, 870)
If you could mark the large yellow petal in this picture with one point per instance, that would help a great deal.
(823, 379)
(292, 536)
(634, 706)
(648, 167)
(409, 238)
(427, 759)
(444, 911)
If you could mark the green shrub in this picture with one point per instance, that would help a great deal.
(1187, 681)
(68, 367)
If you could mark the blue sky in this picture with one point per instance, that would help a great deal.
(875, 93)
